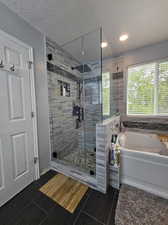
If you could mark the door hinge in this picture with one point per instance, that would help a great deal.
(30, 63)
(35, 160)
(32, 114)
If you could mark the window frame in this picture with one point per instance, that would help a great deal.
(161, 115)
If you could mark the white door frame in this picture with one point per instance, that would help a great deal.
(33, 98)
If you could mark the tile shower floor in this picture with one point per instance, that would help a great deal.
(83, 160)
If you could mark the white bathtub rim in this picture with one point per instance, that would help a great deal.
(124, 150)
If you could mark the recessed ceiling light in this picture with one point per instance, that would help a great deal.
(104, 44)
(124, 37)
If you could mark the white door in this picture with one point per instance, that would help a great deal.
(16, 126)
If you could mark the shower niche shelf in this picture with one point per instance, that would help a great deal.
(64, 88)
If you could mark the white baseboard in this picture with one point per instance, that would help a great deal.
(45, 171)
(153, 189)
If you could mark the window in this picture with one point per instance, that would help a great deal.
(147, 89)
(106, 93)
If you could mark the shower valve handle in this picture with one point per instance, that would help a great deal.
(12, 68)
(1, 64)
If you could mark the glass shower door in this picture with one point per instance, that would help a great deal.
(91, 101)
(75, 102)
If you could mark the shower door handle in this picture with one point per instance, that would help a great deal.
(82, 113)
(12, 68)
(1, 64)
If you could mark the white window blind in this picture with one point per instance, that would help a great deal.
(147, 89)
(163, 88)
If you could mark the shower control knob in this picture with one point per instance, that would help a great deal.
(1, 64)
(12, 68)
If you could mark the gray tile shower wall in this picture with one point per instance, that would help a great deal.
(92, 109)
(104, 133)
(92, 117)
(92, 112)
(117, 93)
(64, 136)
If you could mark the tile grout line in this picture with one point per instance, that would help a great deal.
(47, 214)
(111, 208)
(94, 218)
(110, 213)
(20, 213)
(43, 220)
(81, 210)
(40, 207)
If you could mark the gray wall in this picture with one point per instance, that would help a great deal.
(17, 27)
(146, 54)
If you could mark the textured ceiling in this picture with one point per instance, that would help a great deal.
(63, 20)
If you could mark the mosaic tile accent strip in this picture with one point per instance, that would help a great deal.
(55, 69)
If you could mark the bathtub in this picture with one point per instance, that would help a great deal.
(144, 162)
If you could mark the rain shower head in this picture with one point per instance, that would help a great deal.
(83, 68)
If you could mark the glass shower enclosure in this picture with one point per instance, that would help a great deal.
(75, 100)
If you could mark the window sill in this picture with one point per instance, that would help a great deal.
(147, 116)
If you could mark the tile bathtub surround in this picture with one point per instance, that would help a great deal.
(151, 126)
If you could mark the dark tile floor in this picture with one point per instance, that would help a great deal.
(31, 207)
